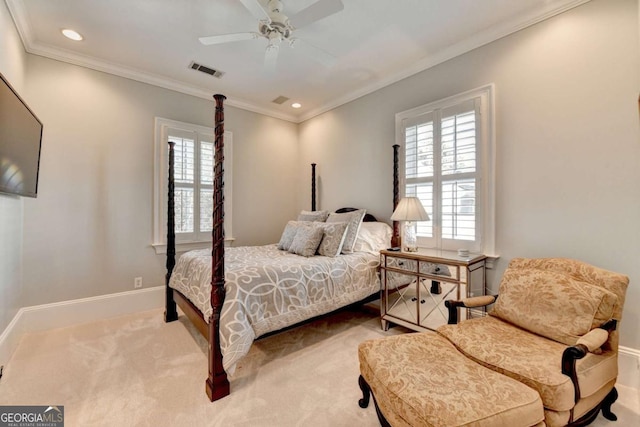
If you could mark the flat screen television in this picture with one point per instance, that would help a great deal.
(20, 143)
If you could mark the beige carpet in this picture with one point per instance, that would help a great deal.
(138, 371)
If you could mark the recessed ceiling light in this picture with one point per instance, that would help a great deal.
(71, 34)
(296, 105)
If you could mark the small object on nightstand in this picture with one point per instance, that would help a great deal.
(394, 249)
(435, 287)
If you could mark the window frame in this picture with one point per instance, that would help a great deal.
(485, 169)
(162, 127)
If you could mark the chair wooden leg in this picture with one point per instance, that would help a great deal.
(364, 402)
(366, 392)
(606, 405)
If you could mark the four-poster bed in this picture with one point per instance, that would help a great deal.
(256, 290)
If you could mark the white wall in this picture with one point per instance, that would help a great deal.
(89, 231)
(568, 147)
(12, 60)
(568, 140)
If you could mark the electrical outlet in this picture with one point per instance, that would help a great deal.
(137, 283)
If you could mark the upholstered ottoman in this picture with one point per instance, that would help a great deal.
(420, 379)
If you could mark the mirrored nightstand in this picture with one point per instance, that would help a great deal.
(416, 284)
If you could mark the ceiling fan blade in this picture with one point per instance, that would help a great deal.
(315, 53)
(271, 57)
(315, 12)
(226, 38)
(256, 10)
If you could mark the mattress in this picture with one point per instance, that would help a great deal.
(268, 289)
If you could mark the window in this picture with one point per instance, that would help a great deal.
(447, 163)
(193, 177)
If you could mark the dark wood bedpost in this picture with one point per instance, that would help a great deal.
(217, 384)
(395, 238)
(313, 186)
(170, 312)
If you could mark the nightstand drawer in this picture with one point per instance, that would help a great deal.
(404, 264)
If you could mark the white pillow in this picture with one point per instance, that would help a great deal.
(373, 237)
(354, 219)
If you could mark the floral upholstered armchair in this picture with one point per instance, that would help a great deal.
(553, 328)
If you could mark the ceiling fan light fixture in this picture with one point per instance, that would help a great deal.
(278, 27)
(72, 34)
(275, 6)
(275, 38)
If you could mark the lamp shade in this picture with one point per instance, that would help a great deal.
(410, 209)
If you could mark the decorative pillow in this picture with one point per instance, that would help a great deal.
(306, 241)
(354, 219)
(552, 304)
(373, 237)
(289, 233)
(320, 216)
(333, 238)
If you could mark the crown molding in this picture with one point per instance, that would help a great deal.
(481, 39)
(17, 11)
(148, 78)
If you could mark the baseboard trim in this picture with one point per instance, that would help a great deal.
(68, 313)
(629, 367)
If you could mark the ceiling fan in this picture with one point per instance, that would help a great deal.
(277, 27)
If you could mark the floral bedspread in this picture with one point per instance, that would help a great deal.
(268, 289)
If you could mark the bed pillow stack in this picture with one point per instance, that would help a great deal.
(373, 237)
(310, 234)
(320, 216)
(354, 220)
(289, 234)
(306, 240)
(333, 238)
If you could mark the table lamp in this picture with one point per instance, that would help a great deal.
(410, 210)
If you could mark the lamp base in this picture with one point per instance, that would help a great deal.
(410, 240)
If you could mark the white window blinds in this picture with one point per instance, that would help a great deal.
(193, 174)
(194, 179)
(443, 148)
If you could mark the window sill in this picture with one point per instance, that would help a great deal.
(491, 261)
(161, 248)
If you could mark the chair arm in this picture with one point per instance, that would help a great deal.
(480, 301)
(593, 339)
(587, 343)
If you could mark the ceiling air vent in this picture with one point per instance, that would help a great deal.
(280, 100)
(206, 70)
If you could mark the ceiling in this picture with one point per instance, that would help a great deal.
(373, 42)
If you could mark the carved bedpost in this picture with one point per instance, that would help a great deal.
(395, 238)
(217, 384)
(170, 312)
(313, 186)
